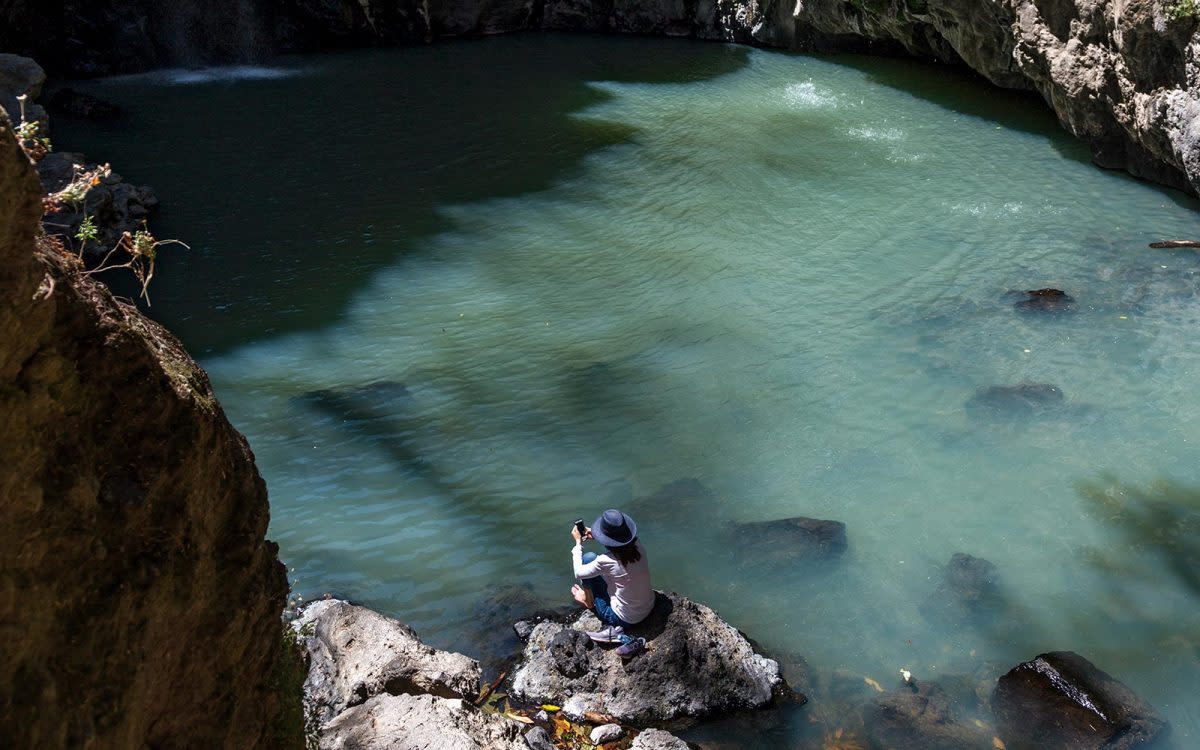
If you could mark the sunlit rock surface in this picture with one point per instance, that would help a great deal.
(695, 665)
(356, 653)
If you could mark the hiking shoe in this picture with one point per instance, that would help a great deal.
(607, 634)
(632, 649)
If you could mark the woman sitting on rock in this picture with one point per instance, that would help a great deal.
(616, 585)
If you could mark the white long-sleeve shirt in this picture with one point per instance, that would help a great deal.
(628, 585)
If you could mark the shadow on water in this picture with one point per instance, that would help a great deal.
(281, 149)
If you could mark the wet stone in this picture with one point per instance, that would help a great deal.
(921, 716)
(1045, 301)
(1061, 699)
(969, 590)
(1021, 400)
(789, 540)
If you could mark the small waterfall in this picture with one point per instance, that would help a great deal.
(195, 33)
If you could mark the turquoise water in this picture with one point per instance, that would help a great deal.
(600, 265)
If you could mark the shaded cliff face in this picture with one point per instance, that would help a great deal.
(139, 600)
(1120, 74)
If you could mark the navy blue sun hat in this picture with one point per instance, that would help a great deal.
(614, 529)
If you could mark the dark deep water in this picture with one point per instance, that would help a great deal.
(599, 265)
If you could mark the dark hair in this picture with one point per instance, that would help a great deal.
(626, 554)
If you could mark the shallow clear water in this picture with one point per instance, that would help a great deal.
(600, 265)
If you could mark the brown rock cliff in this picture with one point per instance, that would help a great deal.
(139, 600)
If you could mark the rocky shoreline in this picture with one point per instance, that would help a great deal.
(372, 683)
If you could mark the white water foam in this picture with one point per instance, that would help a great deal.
(867, 133)
(191, 76)
(806, 95)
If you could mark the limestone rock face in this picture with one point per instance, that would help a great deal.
(1061, 699)
(695, 665)
(1119, 74)
(356, 653)
(139, 600)
(405, 722)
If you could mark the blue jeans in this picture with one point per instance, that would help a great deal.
(599, 588)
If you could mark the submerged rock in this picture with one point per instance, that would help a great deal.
(1045, 300)
(922, 717)
(1021, 400)
(969, 589)
(1062, 700)
(677, 502)
(405, 722)
(789, 540)
(356, 653)
(695, 665)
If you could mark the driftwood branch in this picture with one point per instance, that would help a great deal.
(490, 689)
(1175, 243)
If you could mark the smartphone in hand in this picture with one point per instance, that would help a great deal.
(580, 527)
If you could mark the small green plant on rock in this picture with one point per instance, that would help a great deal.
(142, 248)
(1183, 9)
(87, 233)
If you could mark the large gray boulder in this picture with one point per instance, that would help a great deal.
(657, 739)
(1062, 700)
(417, 722)
(355, 654)
(696, 665)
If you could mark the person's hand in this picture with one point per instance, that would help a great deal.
(587, 533)
(575, 535)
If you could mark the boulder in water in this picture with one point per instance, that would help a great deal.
(1021, 400)
(1062, 700)
(356, 653)
(676, 502)
(1045, 300)
(695, 665)
(922, 717)
(789, 540)
(969, 589)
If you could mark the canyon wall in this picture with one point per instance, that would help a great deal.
(139, 601)
(1123, 75)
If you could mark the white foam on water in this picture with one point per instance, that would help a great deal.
(806, 95)
(192, 76)
(868, 133)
